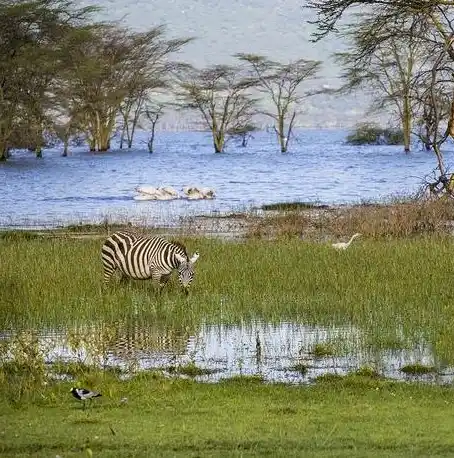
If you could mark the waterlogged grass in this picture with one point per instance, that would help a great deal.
(418, 369)
(150, 416)
(397, 292)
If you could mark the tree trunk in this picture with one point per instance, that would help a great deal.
(451, 120)
(104, 138)
(406, 124)
(151, 139)
(39, 152)
(65, 148)
(92, 144)
(280, 134)
(218, 140)
(244, 140)
(122, 137)
(440, 160)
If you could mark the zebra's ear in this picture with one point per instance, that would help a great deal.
(194, 258)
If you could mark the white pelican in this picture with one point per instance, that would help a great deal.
(152, 193)
(194, 192)
(345, 245)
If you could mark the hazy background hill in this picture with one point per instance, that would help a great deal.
(277, 29)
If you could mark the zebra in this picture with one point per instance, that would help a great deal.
(140, 257)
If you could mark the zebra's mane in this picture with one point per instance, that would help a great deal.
(181, 246)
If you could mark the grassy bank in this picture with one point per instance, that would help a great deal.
(351, 417)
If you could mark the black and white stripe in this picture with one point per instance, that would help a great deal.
(141, 258)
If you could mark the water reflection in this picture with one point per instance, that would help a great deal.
(253, 348)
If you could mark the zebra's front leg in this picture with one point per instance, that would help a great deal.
(161, 279)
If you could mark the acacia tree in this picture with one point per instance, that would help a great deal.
(110, 71)
(220, 94)
(385, 68)
(437, 14)
(152, 71)
(31, 32)
(281, 83)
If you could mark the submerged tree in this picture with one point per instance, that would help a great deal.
(31, 36)
(153, 112)
(220, 94)
(110, 72)
(437, 15)
(385, 66)
(281, 82)
(244, 133)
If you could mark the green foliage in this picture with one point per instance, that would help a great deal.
(372, 134)
(367, 371)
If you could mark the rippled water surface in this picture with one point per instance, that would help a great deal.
(88, 187)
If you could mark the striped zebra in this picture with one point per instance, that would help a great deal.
(142, 257)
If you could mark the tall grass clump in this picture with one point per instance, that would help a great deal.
(397, 219)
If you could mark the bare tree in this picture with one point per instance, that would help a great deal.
(281, 82)
(153, 112)
(220, 94)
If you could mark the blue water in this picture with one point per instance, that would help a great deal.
(87, 187)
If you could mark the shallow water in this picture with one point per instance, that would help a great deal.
(256, 348)
(87, 187)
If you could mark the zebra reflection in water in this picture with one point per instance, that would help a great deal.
(140, 257)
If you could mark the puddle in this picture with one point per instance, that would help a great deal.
(268, 350)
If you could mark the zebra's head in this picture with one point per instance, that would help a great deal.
(186, 271)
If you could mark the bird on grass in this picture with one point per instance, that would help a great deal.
(345, 245)
(83, 394)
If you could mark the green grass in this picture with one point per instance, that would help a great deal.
(396, 292)
(351, 416)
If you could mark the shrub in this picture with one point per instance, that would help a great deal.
(373, 134)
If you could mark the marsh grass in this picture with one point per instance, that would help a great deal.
(323, 350)
(190, 369)
(397, 292)
(302, 368)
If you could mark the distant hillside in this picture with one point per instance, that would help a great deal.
(277, 29)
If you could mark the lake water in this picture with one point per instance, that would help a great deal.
(86, 187)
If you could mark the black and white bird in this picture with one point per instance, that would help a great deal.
(83, 394)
